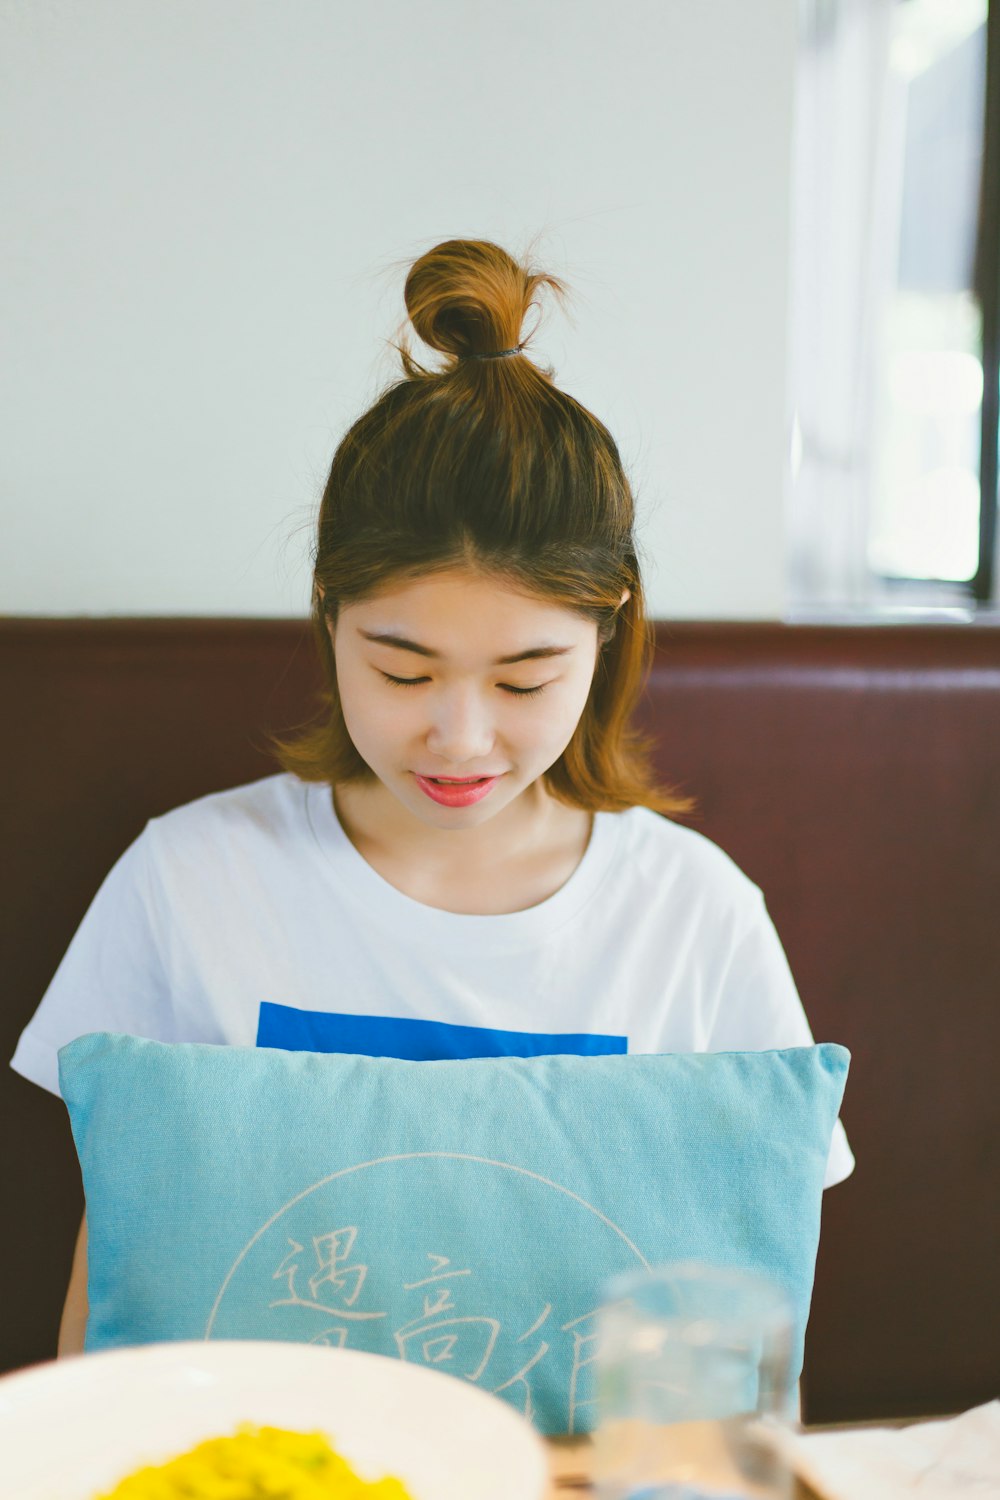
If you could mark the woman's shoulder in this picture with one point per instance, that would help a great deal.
(662, 851)
(273, 807)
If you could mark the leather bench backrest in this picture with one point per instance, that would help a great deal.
(851, 772)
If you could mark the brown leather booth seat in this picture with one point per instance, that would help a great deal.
(852, 772)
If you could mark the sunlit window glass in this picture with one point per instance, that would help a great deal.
(925, 493)
(894, 243)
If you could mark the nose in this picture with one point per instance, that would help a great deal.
(461, 730)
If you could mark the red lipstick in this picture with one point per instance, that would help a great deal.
(457, 794)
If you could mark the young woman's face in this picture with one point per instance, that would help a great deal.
(466, 714)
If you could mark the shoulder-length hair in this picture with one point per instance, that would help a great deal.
(485, 465)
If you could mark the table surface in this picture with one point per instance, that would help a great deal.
(570, 1471)
(570, 1459)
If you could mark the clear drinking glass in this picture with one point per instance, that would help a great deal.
(693, 1386)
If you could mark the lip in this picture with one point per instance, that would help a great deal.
(456, 796)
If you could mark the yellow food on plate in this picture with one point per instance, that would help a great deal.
(257, 1463)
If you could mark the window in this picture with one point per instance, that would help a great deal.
(896, 267)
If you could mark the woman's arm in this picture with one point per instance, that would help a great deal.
(74, 1317)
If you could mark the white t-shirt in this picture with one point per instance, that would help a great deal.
(248, 917)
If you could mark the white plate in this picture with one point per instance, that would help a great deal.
(75, 1427)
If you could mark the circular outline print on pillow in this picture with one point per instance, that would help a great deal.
(476, 1267)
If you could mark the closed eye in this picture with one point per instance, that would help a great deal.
(416, 681)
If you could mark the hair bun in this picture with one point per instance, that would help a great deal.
(468, 297)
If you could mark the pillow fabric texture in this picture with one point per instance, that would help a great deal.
(464, 1214)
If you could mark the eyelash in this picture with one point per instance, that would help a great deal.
(514, 691)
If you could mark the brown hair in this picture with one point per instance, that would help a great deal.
(485, 465)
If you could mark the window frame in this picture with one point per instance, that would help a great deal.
(987, 287)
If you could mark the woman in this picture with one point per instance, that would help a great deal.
(465, 856)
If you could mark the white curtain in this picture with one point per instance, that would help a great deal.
(847, 182)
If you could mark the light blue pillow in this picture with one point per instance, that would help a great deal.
(462, 1214)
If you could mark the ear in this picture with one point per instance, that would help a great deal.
(330, 627)
(627, 594)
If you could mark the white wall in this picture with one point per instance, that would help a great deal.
(210, 207)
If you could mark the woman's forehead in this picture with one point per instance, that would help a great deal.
(464, 599)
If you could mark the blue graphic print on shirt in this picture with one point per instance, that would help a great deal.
(398, 1036)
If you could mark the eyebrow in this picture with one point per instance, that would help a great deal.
(402, 644)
